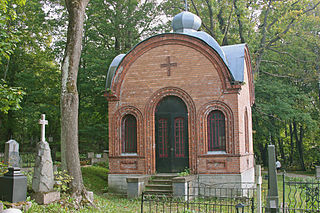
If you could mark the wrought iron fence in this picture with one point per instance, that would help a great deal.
(202, 197)
(297, 195)
(301, 195)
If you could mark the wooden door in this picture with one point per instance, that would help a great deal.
(172, 153)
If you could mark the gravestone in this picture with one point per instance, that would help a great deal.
(272, 197)
(11, 154)
(13, 186)
(90, 154)
(317, 171)
(12, 210)
(43, 178)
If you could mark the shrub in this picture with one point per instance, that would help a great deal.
(62, 180)
(3, 168)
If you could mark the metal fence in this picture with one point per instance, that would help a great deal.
(301, 195)
(297, 195)
(203, 197)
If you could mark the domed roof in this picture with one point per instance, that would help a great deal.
(210, 41)
(112, 68)
(186, 21)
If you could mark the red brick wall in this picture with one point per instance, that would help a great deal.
(201, 80)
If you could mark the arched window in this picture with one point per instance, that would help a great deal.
(129, 134)
(246, 131)
(216, 131)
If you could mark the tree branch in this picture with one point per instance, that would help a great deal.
(242, 40)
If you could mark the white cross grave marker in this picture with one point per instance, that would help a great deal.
(43, 123)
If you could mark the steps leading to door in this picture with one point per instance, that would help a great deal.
(160, 184)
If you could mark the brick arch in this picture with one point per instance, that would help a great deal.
(172, 39)
(202, 123)
(116, 129)
(150, 125)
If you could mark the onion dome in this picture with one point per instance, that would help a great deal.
(186, 22)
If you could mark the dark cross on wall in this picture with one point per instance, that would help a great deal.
(168, 65)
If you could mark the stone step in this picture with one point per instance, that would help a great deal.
(168, 176)
(160, 181)
(157, 192)
(159, 186)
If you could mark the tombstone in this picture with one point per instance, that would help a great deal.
(12, 210)
(105, 156)
(317, 171)
(13, 186)
(43, 178)
(90, 154)
(11, 154)
(272, 197)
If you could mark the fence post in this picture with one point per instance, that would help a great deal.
(284, 192)
(259, 182)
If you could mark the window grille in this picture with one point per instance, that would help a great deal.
(216, 131)
(129, 134)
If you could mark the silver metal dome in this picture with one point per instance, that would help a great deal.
(186, 22)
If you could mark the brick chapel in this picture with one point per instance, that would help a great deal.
(181, 101)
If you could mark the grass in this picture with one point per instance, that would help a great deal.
(295, 193)
(95, 179)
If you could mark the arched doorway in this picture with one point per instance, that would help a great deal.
(171, 125)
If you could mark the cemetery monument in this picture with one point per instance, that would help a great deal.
(43, 178)
(181, 101)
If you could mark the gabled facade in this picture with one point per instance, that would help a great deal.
(179, 100)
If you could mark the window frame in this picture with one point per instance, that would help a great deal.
(221, 121)
(129, 148)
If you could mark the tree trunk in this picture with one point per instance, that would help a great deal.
(291, 144)
(69, 96)
(299, 144)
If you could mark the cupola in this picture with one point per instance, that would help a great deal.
(186, 22)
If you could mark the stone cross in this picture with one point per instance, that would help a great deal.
(168, 65)
(43, 123)
(186, 4)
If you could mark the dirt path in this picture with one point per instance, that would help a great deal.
(297, 175)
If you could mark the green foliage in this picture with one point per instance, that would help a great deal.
(185, 172)
(102, 164)
(62, 181)
(29, 174)
(3, 168)
(8, 36)
(10, 97)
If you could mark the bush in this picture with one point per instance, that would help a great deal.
(3, 168)
(62, 180)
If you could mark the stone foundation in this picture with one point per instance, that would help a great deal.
(46, 197)
(118, 182)
(244, 177)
